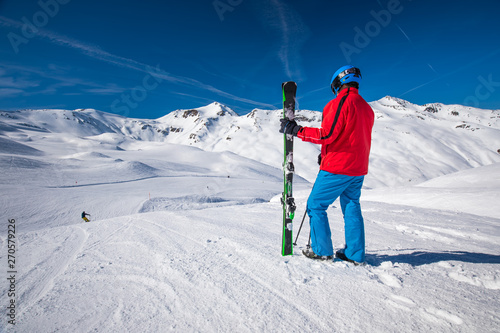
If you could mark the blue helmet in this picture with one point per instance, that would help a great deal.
(343, 75)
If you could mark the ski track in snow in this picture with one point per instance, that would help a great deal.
(39, 284)
(241, 269)
(189, 271)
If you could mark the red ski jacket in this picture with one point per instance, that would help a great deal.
(345, 134)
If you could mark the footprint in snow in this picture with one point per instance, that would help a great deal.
(383, 276)
(434, 315)
(389, 280)
(401, 302)
(489, 281)
(431, 314)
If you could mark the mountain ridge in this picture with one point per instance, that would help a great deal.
(411, 143)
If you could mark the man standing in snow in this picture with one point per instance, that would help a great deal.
(345, 138)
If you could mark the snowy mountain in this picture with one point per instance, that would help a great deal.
(417, 143)
(411, 143)
(185, 227)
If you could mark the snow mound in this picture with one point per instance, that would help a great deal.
(86, 155)
(192, 202)
(138, 168)
(469, 191)
(17, 162)
(8, 146)
(482, 177)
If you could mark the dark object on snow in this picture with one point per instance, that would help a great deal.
(84, 216)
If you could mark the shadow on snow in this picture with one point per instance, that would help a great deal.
(419, 258)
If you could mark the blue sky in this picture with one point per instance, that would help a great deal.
(146, 58)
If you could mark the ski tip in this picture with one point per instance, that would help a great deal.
(288, 82)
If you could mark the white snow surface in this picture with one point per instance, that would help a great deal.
(185, 231)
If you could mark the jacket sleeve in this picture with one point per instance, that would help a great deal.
(328, 131)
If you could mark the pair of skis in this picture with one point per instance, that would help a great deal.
(288, 203)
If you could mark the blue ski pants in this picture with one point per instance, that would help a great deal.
(327, 188)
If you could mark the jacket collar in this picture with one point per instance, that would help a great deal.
(345, 91)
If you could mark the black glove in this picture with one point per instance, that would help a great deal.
(289, 127)
(319, 159)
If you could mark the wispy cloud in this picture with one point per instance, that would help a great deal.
(293, 33)
(95, 52)
(457, 70)
(106, 90)
(432, 68)
(403, 32)
(26, 78)
(19, 83)
(10, 92)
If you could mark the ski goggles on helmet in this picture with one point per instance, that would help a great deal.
(352, 74)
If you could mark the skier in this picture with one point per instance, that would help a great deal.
(345, 138)
(84, 216)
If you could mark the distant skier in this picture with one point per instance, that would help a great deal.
(84, 216)
(345, 138)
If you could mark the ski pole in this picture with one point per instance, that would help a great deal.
(300, 228)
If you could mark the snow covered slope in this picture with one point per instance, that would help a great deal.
(220, 270)
(414, 143)
(473, 191)
(185, 232)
